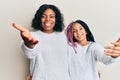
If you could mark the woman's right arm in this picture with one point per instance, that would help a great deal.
(29, 43)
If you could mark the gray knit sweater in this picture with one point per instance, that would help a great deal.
(49, 58)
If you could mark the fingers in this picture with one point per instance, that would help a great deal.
(30, 42)
(112, 48)
(33, 41)
(26, 36)
(29, 77)
(113, 51)
(24, 32)
(117, 43)
(18, 27)
(118, 39)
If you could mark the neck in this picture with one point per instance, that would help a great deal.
(83, 43)
(48, 32)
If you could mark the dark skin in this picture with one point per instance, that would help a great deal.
(113, 50)
(28, 40)
(25, 34)
(29, 77)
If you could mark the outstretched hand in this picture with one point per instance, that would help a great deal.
(114, 50)
(25, 34)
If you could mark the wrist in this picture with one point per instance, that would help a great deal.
(29, 45)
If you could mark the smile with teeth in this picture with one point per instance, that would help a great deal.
(47, 24)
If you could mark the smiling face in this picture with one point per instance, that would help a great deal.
(48, 21)
(79, 33)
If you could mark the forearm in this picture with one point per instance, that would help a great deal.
(29, 52)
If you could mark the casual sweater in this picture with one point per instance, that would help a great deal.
(49, 58)
(83, 64)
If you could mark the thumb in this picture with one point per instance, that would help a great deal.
(118, 39)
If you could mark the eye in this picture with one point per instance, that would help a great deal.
(43, 16)
(74, 31)
(81, 28)
(52, 16)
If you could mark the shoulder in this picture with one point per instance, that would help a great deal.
(35, 34)
(95, 45)
(96, 49)
(60, 33)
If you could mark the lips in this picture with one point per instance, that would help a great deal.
(80, 36)
(47, 24)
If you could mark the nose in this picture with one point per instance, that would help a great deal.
(78, 32)
(47, 18)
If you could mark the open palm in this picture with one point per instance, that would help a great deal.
(25, 34)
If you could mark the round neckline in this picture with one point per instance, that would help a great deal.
(47, 34)
(84, 45)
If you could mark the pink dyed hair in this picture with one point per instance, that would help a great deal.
(69, 34)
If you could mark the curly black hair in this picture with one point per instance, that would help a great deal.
(37, 24)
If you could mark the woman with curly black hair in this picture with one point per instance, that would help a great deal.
(37, 21)
(47, 46)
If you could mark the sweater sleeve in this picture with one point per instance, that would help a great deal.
(29, 53)
(100, 55)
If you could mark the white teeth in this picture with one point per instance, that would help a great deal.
(47, 24)
(79, 36)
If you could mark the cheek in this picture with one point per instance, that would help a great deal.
(42, 24)
(85, 33)
(42, 19)
(54, 20)
(74, 34)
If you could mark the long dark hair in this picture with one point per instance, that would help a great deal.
(89, 35)
(37, 24)
(69, 33)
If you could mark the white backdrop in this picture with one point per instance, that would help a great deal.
(102, 16)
